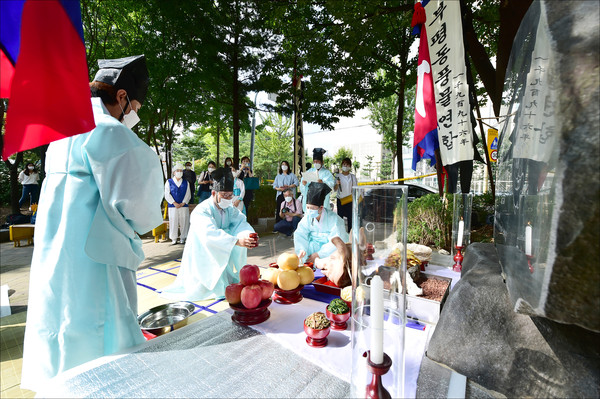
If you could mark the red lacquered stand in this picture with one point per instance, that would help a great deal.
(458, 258)
(370, 251)
(375, 389)
(338, 321)
(288, 297)
(316, 338)
(529, 259)
(249, 317)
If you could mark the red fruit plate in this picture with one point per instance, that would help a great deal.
(326, 286)
(288, 297)
(248, 317)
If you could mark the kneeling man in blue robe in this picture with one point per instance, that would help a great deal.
(216, 247)
(315, 231)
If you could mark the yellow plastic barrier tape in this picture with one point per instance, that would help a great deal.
(395, 180)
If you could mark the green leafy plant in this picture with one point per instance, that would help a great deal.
(338, 306)
(430, 221)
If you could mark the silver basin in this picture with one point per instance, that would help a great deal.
(164, 318)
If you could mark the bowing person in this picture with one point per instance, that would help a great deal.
(323, 174)
(178, 195)
(83, 294)
(313, 237)
(217, 245)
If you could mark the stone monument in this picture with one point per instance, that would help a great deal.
(524, 320)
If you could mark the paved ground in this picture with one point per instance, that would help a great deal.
(15, 262)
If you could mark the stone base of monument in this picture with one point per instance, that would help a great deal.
(503, 353)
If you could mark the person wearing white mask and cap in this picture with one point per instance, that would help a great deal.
(315, 232)
(323, 174)
(178, 194)
(83, 295)
(216, 248)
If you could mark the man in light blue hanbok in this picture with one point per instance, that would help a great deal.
(323, 176)
(312, 239)
(216, 247)
(83, 294)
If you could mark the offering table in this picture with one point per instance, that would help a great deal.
(215, 357)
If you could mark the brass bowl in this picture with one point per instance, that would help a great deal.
(165, 318)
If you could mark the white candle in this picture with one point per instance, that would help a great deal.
(528, 233)
(377, 320)
(461, 232)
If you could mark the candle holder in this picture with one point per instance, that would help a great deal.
(458, 258)
(462, 208)
(529, 259)
(375, 388)
(378, 311)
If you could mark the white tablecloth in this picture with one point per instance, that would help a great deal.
(285, 326)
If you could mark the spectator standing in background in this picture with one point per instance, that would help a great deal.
(177, 194)
(190, 176)
(29, 179)
(290, 213)
(238, 191)
(247, 172)
(228, 163)
(284, 180)
(205, 182)
(343, 184)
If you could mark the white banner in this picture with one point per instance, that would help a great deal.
(447, 53)
(535, 123)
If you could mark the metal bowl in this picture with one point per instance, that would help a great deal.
(165, 318)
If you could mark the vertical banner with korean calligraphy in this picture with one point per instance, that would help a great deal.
(449, 71)
(535, 127)
(299, 158)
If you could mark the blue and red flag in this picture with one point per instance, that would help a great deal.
(425, 132)
(44, 73)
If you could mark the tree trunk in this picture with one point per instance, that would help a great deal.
(399, 128)
(511, 14)
(236, 90)
(15, 193)
(218, 143)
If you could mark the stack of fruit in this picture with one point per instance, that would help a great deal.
(250, 291)
(288, 276)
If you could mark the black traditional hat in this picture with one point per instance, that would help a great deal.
(318, 154)
(129, 74)
(223, 179)
(317, 193)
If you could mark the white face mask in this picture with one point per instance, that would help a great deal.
(345, 168)
(318, 166)
(225, 203)
(288, 199)
(30, 167)
(284, 167)
(228, 163)
(178, 174)
(131, 119)
(210, 170)
(188, 167)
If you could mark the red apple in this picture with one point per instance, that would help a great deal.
(249, 274)
(267, 288)
(251, 296)
(233, 293)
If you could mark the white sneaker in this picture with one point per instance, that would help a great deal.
(174, 242)
(182, 242)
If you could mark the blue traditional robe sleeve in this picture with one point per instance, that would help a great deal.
(301, 238)
(128, 205)
(211, 260)
(335, 228)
